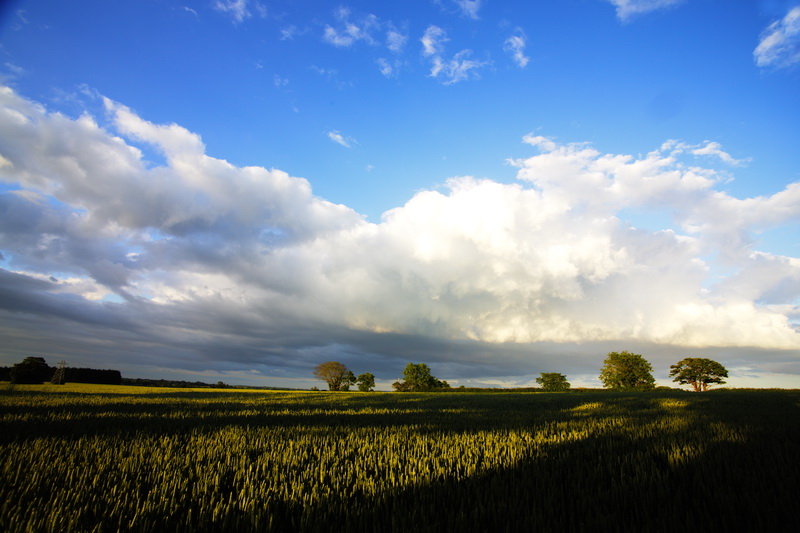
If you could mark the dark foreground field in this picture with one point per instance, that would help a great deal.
(88, 458)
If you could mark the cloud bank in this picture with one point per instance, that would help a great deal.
(194, 263)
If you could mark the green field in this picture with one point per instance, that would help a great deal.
(111, 458)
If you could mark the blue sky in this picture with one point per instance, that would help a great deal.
(240, 190)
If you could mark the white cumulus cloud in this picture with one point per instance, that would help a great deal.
(211, 263)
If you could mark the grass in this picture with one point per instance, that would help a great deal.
(114, 458)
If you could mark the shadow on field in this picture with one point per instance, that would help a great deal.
(593, 485)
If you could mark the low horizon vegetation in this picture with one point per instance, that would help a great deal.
(621, 371)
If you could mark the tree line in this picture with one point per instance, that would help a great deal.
(416, 378)
(621, 371)
(630, 371)
(339, 378)
(35, 370)
(626, 371)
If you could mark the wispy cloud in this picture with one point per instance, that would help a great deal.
(20, 21)
(349, 32)
(289, 32)
(13, 71)
(629, 9)
(395, 40)
(331, 75)
(515, 47)
(469, 8)
(338, 138)
(459, 68)
(389, 68)
(715, 149)
(779, 46)
(433, 41)
(241, 10)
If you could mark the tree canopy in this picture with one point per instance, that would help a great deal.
(698, 372)
(418, 378)
(32, 370)
(348, 380)
(365, 382)
(333, 373)
(627, 371)
(553, 381)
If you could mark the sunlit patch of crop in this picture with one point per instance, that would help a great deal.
(672, 403)
(679, 455)
(587, 408)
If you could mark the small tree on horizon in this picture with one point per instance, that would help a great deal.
(366, 382)
(698, 372)
(332, 373)
(627, 371)
(553, 382)
(418, 378)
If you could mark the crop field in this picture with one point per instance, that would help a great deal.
(112, 458)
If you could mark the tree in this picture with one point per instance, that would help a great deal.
(366, 382)
(627, 371)
(32, 370)
(553, 381)
(332, 373)
(418, 378)
(698, 372)
(401, 386)
(347, 380)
